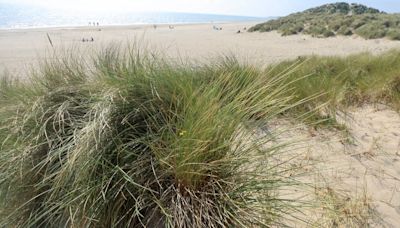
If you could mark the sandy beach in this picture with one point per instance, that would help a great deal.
(200, 42)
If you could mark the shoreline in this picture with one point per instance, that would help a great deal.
(138, 25)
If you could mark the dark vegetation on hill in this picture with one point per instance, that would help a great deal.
(337, 19)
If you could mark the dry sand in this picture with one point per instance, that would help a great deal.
(199, 42)
(354, 175)
(362, 170)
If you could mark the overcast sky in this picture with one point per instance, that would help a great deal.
(232, 7)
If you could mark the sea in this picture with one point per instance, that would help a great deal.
(19, 17)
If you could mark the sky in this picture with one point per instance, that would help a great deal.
(258, 8)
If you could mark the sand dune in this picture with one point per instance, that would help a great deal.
(357, 172)
(361, 167)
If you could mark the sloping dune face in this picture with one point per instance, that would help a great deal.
(355, 173)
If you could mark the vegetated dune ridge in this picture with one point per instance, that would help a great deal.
(337, 19)
(140, 140)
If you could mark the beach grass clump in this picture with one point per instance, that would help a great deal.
(328, 33)
(343, 81)
(345, 31)
(291, 29)
(134, 140)
(371, 31)
(335, 25)
(357, 23)
(131, 139)
(317, 31)
(393, 34)
(339, 209)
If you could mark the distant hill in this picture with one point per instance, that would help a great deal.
(337, 19)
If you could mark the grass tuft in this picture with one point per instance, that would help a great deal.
(130, 139)
(134, 140)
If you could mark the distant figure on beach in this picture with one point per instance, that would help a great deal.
(155, 26)
(90, 23)
(171, 27)
(97, 23)
(217, 28)
(238, 31)
(88, 40)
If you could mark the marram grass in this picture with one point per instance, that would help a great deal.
(129, 139)
(132, 140)
(339, 82)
